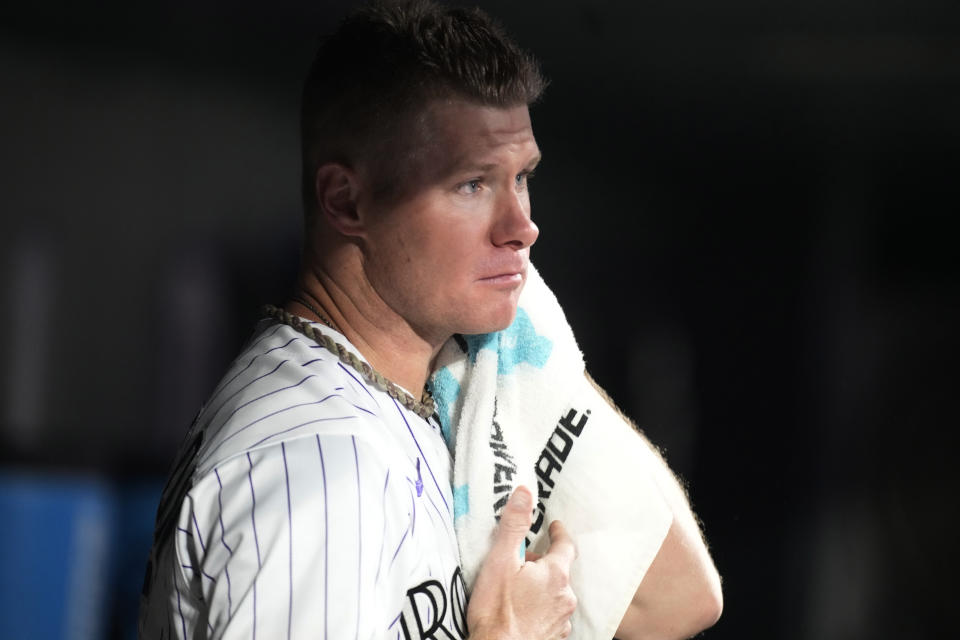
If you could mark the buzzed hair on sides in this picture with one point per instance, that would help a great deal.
(386, 62)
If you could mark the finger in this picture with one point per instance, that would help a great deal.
(562, 547)
(532, 556)
(515, 521)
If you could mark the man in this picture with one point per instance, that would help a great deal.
(312, 497)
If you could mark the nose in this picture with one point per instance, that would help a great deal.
(513, 227)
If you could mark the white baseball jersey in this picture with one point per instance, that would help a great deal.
(305, 504)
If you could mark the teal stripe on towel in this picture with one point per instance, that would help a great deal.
(516, 344)
(445, 390)
(461, 501)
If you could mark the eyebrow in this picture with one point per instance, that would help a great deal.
(483, 168)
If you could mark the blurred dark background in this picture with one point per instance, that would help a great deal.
(743, 207)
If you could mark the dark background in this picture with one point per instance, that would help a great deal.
(743, 208)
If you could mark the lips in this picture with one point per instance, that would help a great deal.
(506, 272)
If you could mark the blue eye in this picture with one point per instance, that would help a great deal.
(469, 187)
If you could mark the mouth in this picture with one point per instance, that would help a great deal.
(504, 278)
(509, 276)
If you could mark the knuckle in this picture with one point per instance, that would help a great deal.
(511, 520)
(559, 575)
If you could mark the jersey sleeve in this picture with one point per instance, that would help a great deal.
(294, 541)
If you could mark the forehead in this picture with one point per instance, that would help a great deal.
(457, 134)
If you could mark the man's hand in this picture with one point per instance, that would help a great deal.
(517, 600)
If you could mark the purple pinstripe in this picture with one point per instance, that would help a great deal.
(275, 331)
(399, 546)
(183, 621)
(261, 397)
(274, 427)
(356, 462)
(383, 535)
(360, 384)
(439, 513)
(235, 393)
(364, 410)
(300, 426)
(326, 538)
(256, 540)
(264, 417)
(225, 383)
(286, 473)
(413, 511)
(223, 533)
(435, 483)
(196, 525)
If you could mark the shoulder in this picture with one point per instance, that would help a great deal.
(278, 517)
(283, 386)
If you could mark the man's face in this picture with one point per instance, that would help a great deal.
(450, 256)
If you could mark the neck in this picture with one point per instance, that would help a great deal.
(385, 339)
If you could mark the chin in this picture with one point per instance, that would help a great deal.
(491, 323)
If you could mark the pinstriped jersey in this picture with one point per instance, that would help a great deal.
(305, 504)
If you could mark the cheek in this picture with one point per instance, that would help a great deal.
(452, 245)
(402, 255)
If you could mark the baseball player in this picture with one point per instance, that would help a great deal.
(312, 495)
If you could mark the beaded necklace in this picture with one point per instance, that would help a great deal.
(425, 408)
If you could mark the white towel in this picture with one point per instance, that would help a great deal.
(517, 409)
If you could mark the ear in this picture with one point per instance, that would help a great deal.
(336, 187)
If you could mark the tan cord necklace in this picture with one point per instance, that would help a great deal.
(424, 408)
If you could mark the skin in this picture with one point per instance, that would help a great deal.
(448, 254)
(373, 267)
(523, 599)
(680, 593)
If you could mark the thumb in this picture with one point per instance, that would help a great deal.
(515, 521)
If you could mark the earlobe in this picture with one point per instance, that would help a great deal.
(336, 189)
